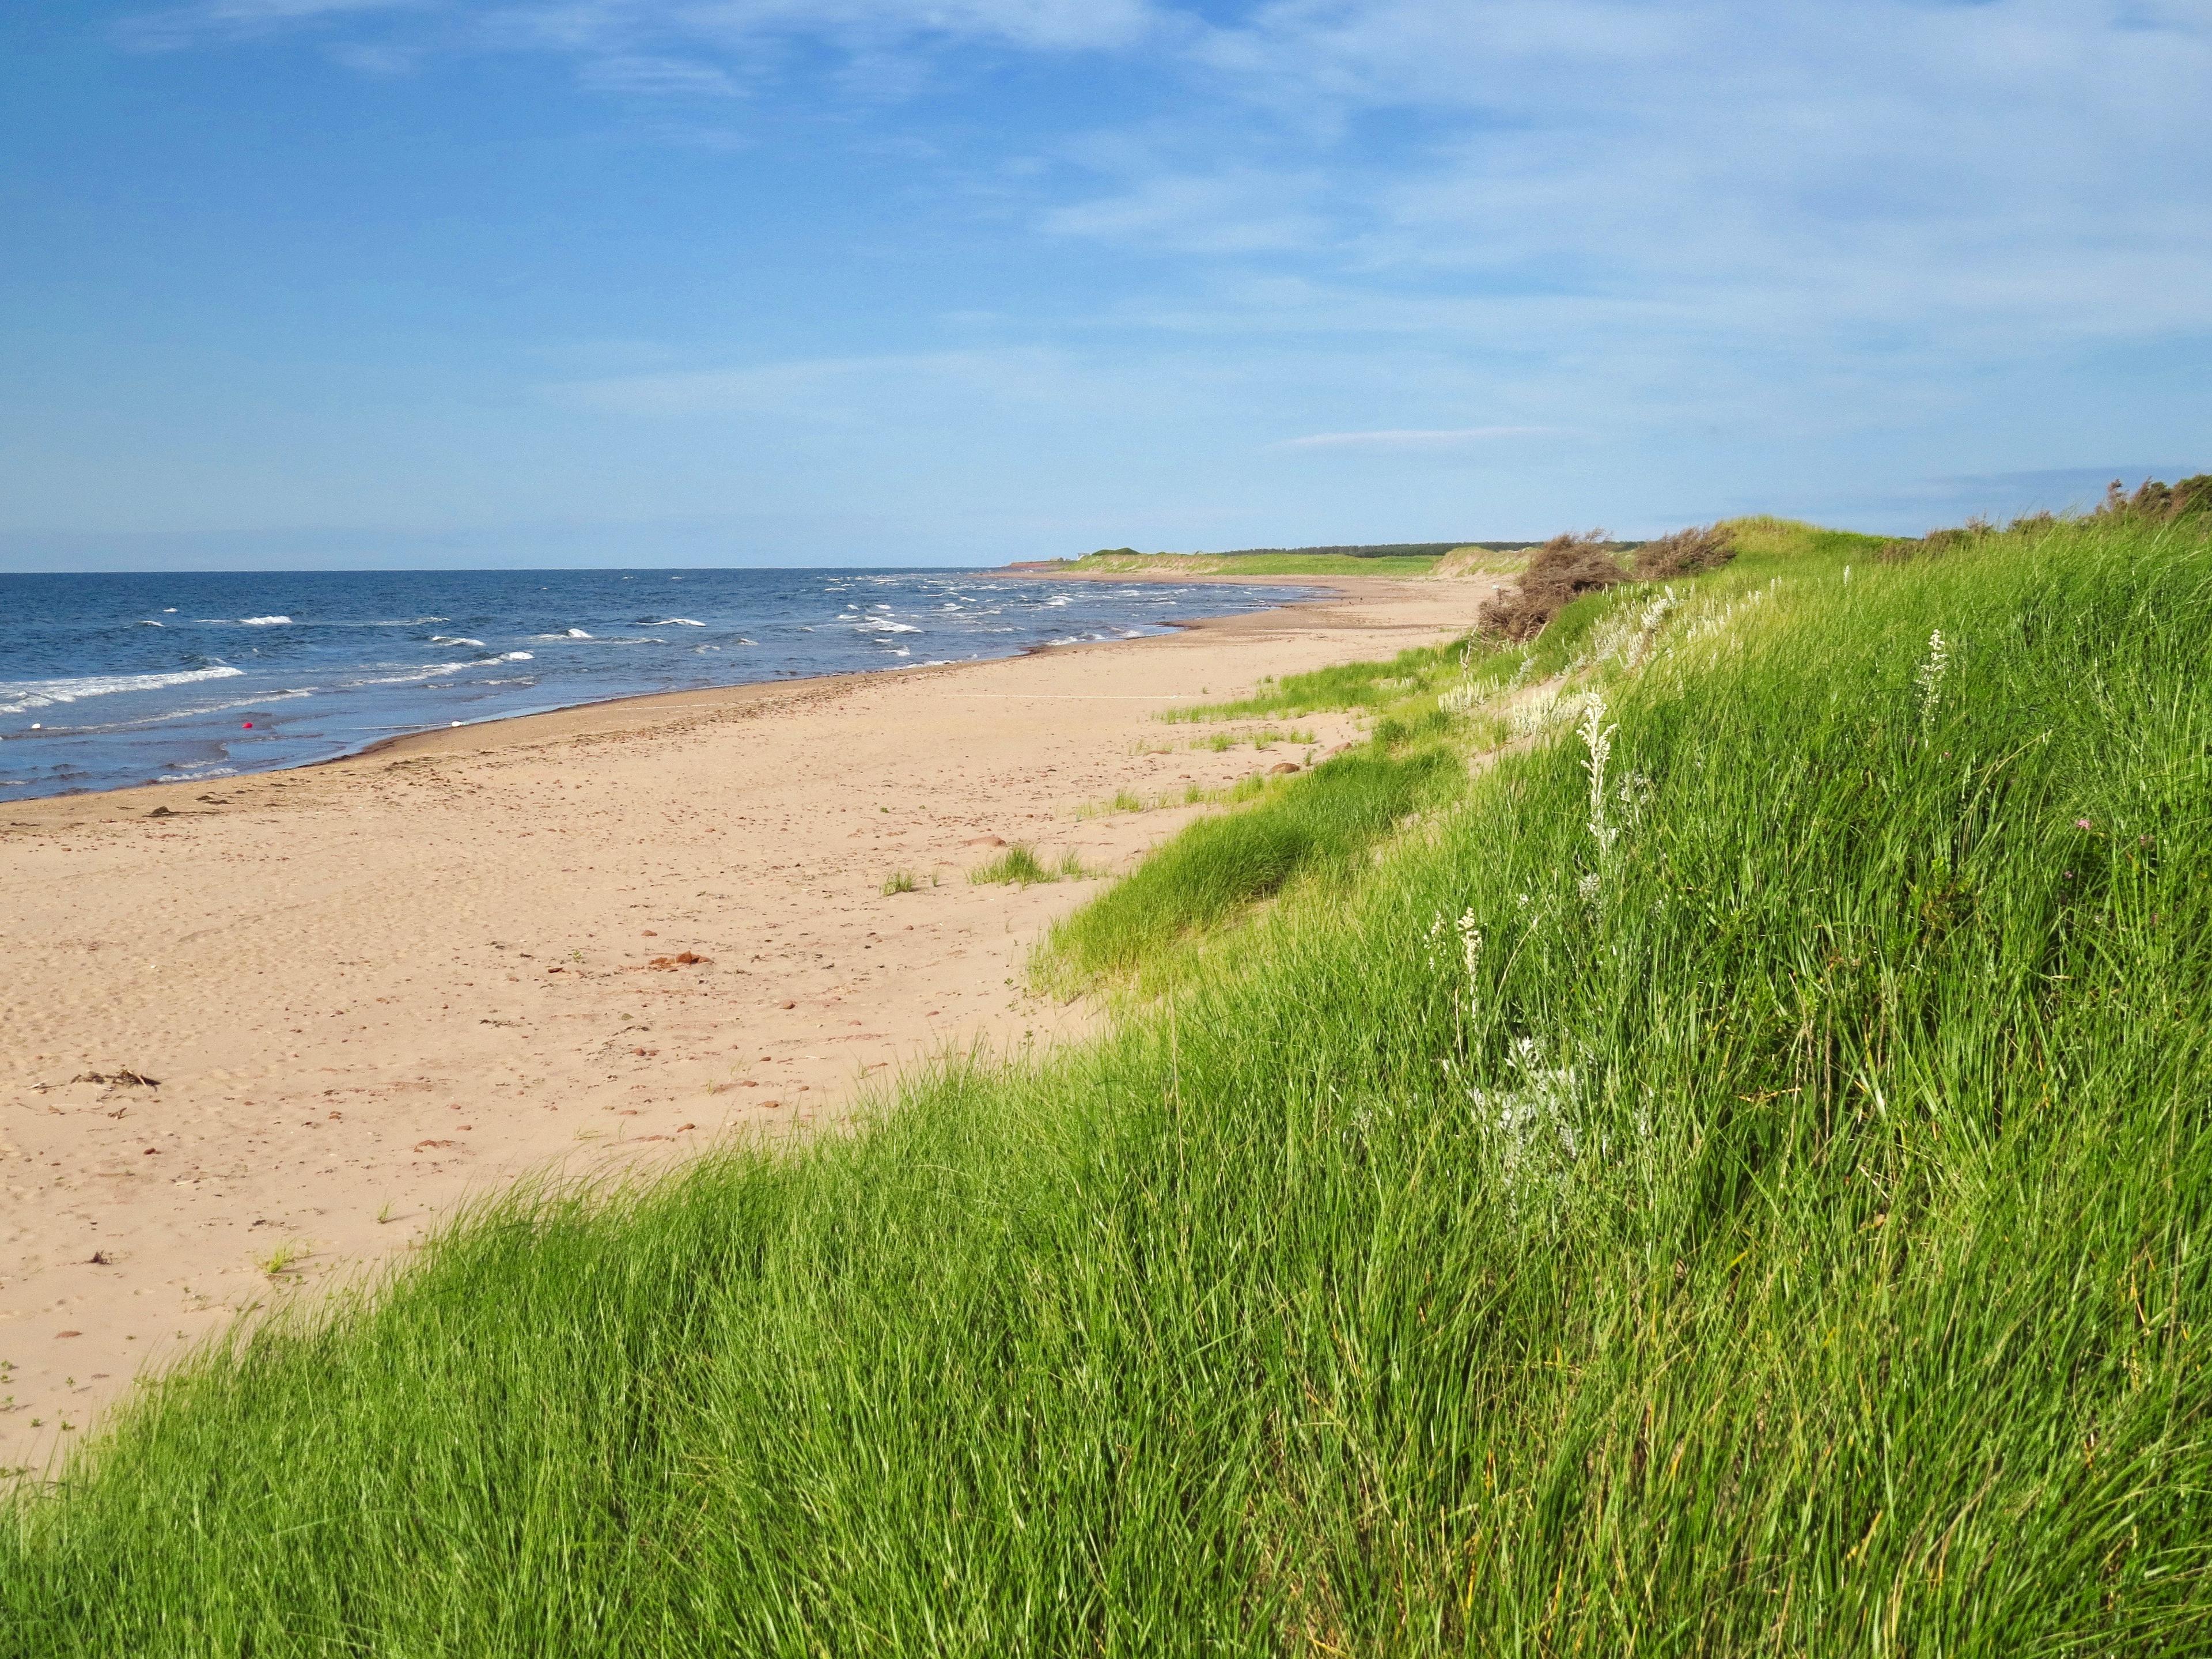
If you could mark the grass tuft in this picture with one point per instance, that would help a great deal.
(1019, 865)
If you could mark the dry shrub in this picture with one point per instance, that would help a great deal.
(1561, 571)
(1685, 553)
(2153, 500)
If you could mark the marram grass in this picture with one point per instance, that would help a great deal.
(1748, 1196)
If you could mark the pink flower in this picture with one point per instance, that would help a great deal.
(2083, 823)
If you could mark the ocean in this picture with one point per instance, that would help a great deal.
(110, 680)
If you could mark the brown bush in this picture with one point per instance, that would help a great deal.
(1561, 571)
(2153, 500)
(1685, 553)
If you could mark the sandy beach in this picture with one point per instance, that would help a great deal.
(257, 1037)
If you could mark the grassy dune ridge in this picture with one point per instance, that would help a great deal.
(1734, 1181)
(1253, 564)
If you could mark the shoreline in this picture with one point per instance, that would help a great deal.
(373, 989)
(1336, 588)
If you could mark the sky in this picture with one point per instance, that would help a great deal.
(387, 283)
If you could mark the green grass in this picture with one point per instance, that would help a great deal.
(1019, 865)
(1217, 866)
(1266, 738)
(899, 881)
(1776, 1223)
(1349, 685)
(1762, 539)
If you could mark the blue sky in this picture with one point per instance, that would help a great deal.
(344, 282)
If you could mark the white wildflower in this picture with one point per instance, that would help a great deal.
(1470, 955)
(1541, 712)
(1930, 680)
(1597, 738)
(1532, 1119)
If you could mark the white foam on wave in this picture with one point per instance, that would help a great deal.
(884, 625)
(23, 696)
(265, 622)
(442, 638)
(675, 621)
(199, 711)
(150, 623)
(428, 673)
(518, 656)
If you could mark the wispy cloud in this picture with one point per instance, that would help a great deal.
(819, 388)
(659, 77)
(1464, 437)
(603, 32)
(173, 26)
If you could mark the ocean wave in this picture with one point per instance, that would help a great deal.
(197, 711)
(428, 673)
(884, 625)
(265, 622)
(518, 656)
(23, 696)
(444, 639)
(150, 623)
(675, 621)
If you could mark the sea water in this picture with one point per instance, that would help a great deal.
(115, 679)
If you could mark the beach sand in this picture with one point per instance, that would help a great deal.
(369, 991)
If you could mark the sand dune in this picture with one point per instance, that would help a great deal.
(366, 991)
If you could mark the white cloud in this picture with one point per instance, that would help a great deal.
(182, 26)
(2009, 175)
(659, 77)
(1446, 438)
(606, 33)
(822, 388)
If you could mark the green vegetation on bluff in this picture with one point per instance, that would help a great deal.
(1733, 1180)
(1252, 564)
